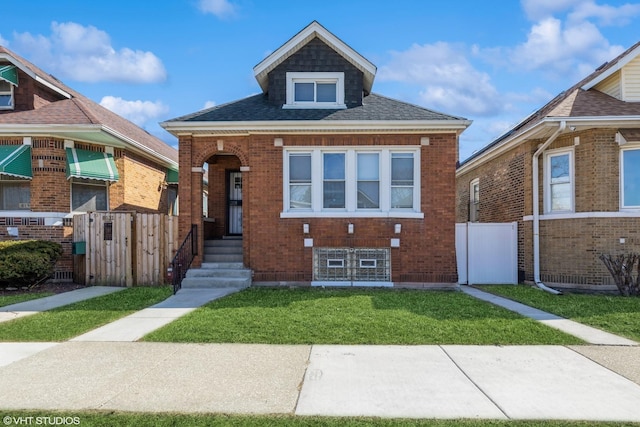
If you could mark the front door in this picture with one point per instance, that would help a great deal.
(234, 203)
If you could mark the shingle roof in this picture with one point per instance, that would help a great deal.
(574, 102)
(257, 108)
(80, 110)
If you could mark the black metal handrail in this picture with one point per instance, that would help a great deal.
(184, 256)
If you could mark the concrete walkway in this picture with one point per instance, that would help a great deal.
(448, 381)
(135, 326)
(587, 333)
(27, 308)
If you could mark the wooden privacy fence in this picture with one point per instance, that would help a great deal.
(123, 248)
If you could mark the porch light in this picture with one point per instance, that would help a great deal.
(305, 228)
(350, 228)
(397, 228)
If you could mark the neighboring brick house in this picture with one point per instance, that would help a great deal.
(584, 149)
(339, 186)
(61, 153)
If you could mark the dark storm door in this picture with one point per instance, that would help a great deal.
(234, 203)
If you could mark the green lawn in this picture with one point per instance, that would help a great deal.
(69, 321)
(354, 316)
(14, 299)
(110, 419)
(616, 314)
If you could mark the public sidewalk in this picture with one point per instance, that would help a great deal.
(446, 381)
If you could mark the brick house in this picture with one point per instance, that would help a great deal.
(61, 153)
(569, 174)
(326, 182)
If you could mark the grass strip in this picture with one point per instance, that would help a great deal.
(66, 322)
(115, 419)
(356, 316)
(14, 299)
(616, 314)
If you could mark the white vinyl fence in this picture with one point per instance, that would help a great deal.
(487, 253)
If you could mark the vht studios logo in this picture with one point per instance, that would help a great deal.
(8, 420)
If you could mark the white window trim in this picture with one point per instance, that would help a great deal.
(622, 206)
(351, 202)
(472, 184)
(298, 77)
(11, 93)
(547, 179)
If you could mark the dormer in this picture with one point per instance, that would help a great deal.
(620, 78)
(315, 69)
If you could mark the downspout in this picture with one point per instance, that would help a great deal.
(536, 211)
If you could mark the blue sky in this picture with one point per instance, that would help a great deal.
(493, 62)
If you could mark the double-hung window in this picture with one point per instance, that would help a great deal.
(6, 95)
(559, 181)
(630, 178)
(315, 90)
(474, 200)
(351, 182)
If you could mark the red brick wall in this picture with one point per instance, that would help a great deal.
(274, 247)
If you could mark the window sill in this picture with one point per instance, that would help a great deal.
(344, 214)
(314, 106)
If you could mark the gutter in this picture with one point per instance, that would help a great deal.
(536, 211)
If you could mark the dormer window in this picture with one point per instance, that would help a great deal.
(315, 90)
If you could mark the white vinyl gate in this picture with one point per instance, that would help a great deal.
(487, 253)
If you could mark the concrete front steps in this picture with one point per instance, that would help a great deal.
(222, 267)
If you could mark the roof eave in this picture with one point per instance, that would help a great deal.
(97, 129)
(310, 126)
(572, 123)
(34, 76)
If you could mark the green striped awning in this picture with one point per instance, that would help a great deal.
(15, 160)
(9, 73)
(171, 176)
(91, 165)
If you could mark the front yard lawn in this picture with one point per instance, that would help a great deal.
(71, 320)
(616, 314)
(356, 316)
(14, 299)
(115, 419)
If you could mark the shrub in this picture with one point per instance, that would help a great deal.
(625, 270)
(26, 262)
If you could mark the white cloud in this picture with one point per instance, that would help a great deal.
(139, 112)
(573, 49)
(209, 104)
(605, 14)
(84, 53)
(219, 8)
(446, 78)
(537, 10)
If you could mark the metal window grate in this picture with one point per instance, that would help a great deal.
(352, 264)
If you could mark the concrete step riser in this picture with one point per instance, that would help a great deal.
(222, 251)
(219, 273)
(208, 282)
(223, 243)
(222, 265)
(222, 258)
